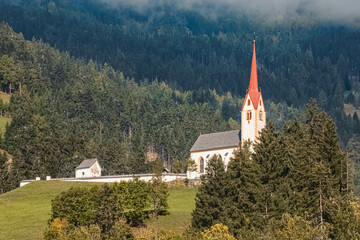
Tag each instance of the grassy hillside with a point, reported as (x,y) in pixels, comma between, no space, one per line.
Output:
(3,121)
(24,211)
(5,97)
(182,203)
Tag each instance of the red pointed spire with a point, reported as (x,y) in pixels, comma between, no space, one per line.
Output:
(253,92)
(253,86)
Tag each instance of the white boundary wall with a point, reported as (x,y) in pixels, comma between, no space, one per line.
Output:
(166,177)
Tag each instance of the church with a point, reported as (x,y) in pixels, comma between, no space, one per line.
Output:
(223,144)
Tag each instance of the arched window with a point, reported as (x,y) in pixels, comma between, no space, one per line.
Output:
(248,102)
(260,102)
(261,117)
(219,157)
(248,115)
(201,165)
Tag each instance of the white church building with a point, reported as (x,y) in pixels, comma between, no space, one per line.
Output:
(223,144)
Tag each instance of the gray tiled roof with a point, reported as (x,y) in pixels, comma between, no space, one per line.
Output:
(86,163)
(216,140)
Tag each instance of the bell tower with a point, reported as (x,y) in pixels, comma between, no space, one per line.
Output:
(253,116)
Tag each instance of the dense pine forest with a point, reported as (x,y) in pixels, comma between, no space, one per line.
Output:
(128,86)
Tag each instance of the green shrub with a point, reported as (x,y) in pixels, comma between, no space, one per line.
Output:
(158,195)
(120,231)
(107,208)
(57,229)
(217,232)
(134,196)
(75,205)
(92,232)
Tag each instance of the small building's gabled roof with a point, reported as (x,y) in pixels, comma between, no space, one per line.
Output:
(86,163)
(216,140)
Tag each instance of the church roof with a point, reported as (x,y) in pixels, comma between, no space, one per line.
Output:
(216,140)
(86,163)
(253,85)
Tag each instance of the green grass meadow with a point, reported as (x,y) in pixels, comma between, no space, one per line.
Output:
(5,97)
(24,212)
(181,204)
(3,121)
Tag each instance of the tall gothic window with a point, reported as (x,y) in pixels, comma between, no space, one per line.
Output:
(248,102)
(261,116)
(248,115)
(201,163)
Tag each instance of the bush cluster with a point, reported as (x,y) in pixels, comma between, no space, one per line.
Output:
(107,210)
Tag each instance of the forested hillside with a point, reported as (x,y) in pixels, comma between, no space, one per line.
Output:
(64,111)
(184,73)
(299,58)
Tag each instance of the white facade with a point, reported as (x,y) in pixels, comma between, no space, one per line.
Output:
(92,171)
(260,117)
(225,153)
(253,120)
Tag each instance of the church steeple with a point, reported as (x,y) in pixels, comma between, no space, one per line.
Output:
(253,116)
(253,86)
(253,91)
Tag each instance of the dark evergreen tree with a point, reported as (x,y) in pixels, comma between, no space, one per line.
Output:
(211,199)
(318,168)
(271,155)
(4,174)
(244,192)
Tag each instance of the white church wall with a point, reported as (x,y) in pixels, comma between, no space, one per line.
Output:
(250,128)
(226,154)
(261,123)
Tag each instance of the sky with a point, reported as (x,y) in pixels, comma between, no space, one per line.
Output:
(335,10)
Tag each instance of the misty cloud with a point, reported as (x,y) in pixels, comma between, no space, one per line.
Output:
(335,10)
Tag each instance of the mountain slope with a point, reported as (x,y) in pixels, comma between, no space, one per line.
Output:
(68,111)
(299,58)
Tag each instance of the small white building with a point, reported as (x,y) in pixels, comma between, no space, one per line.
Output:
(88,168)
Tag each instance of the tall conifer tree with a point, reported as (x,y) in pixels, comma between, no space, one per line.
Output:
(318,168)
(212,196)
(244,191)
(274,164)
